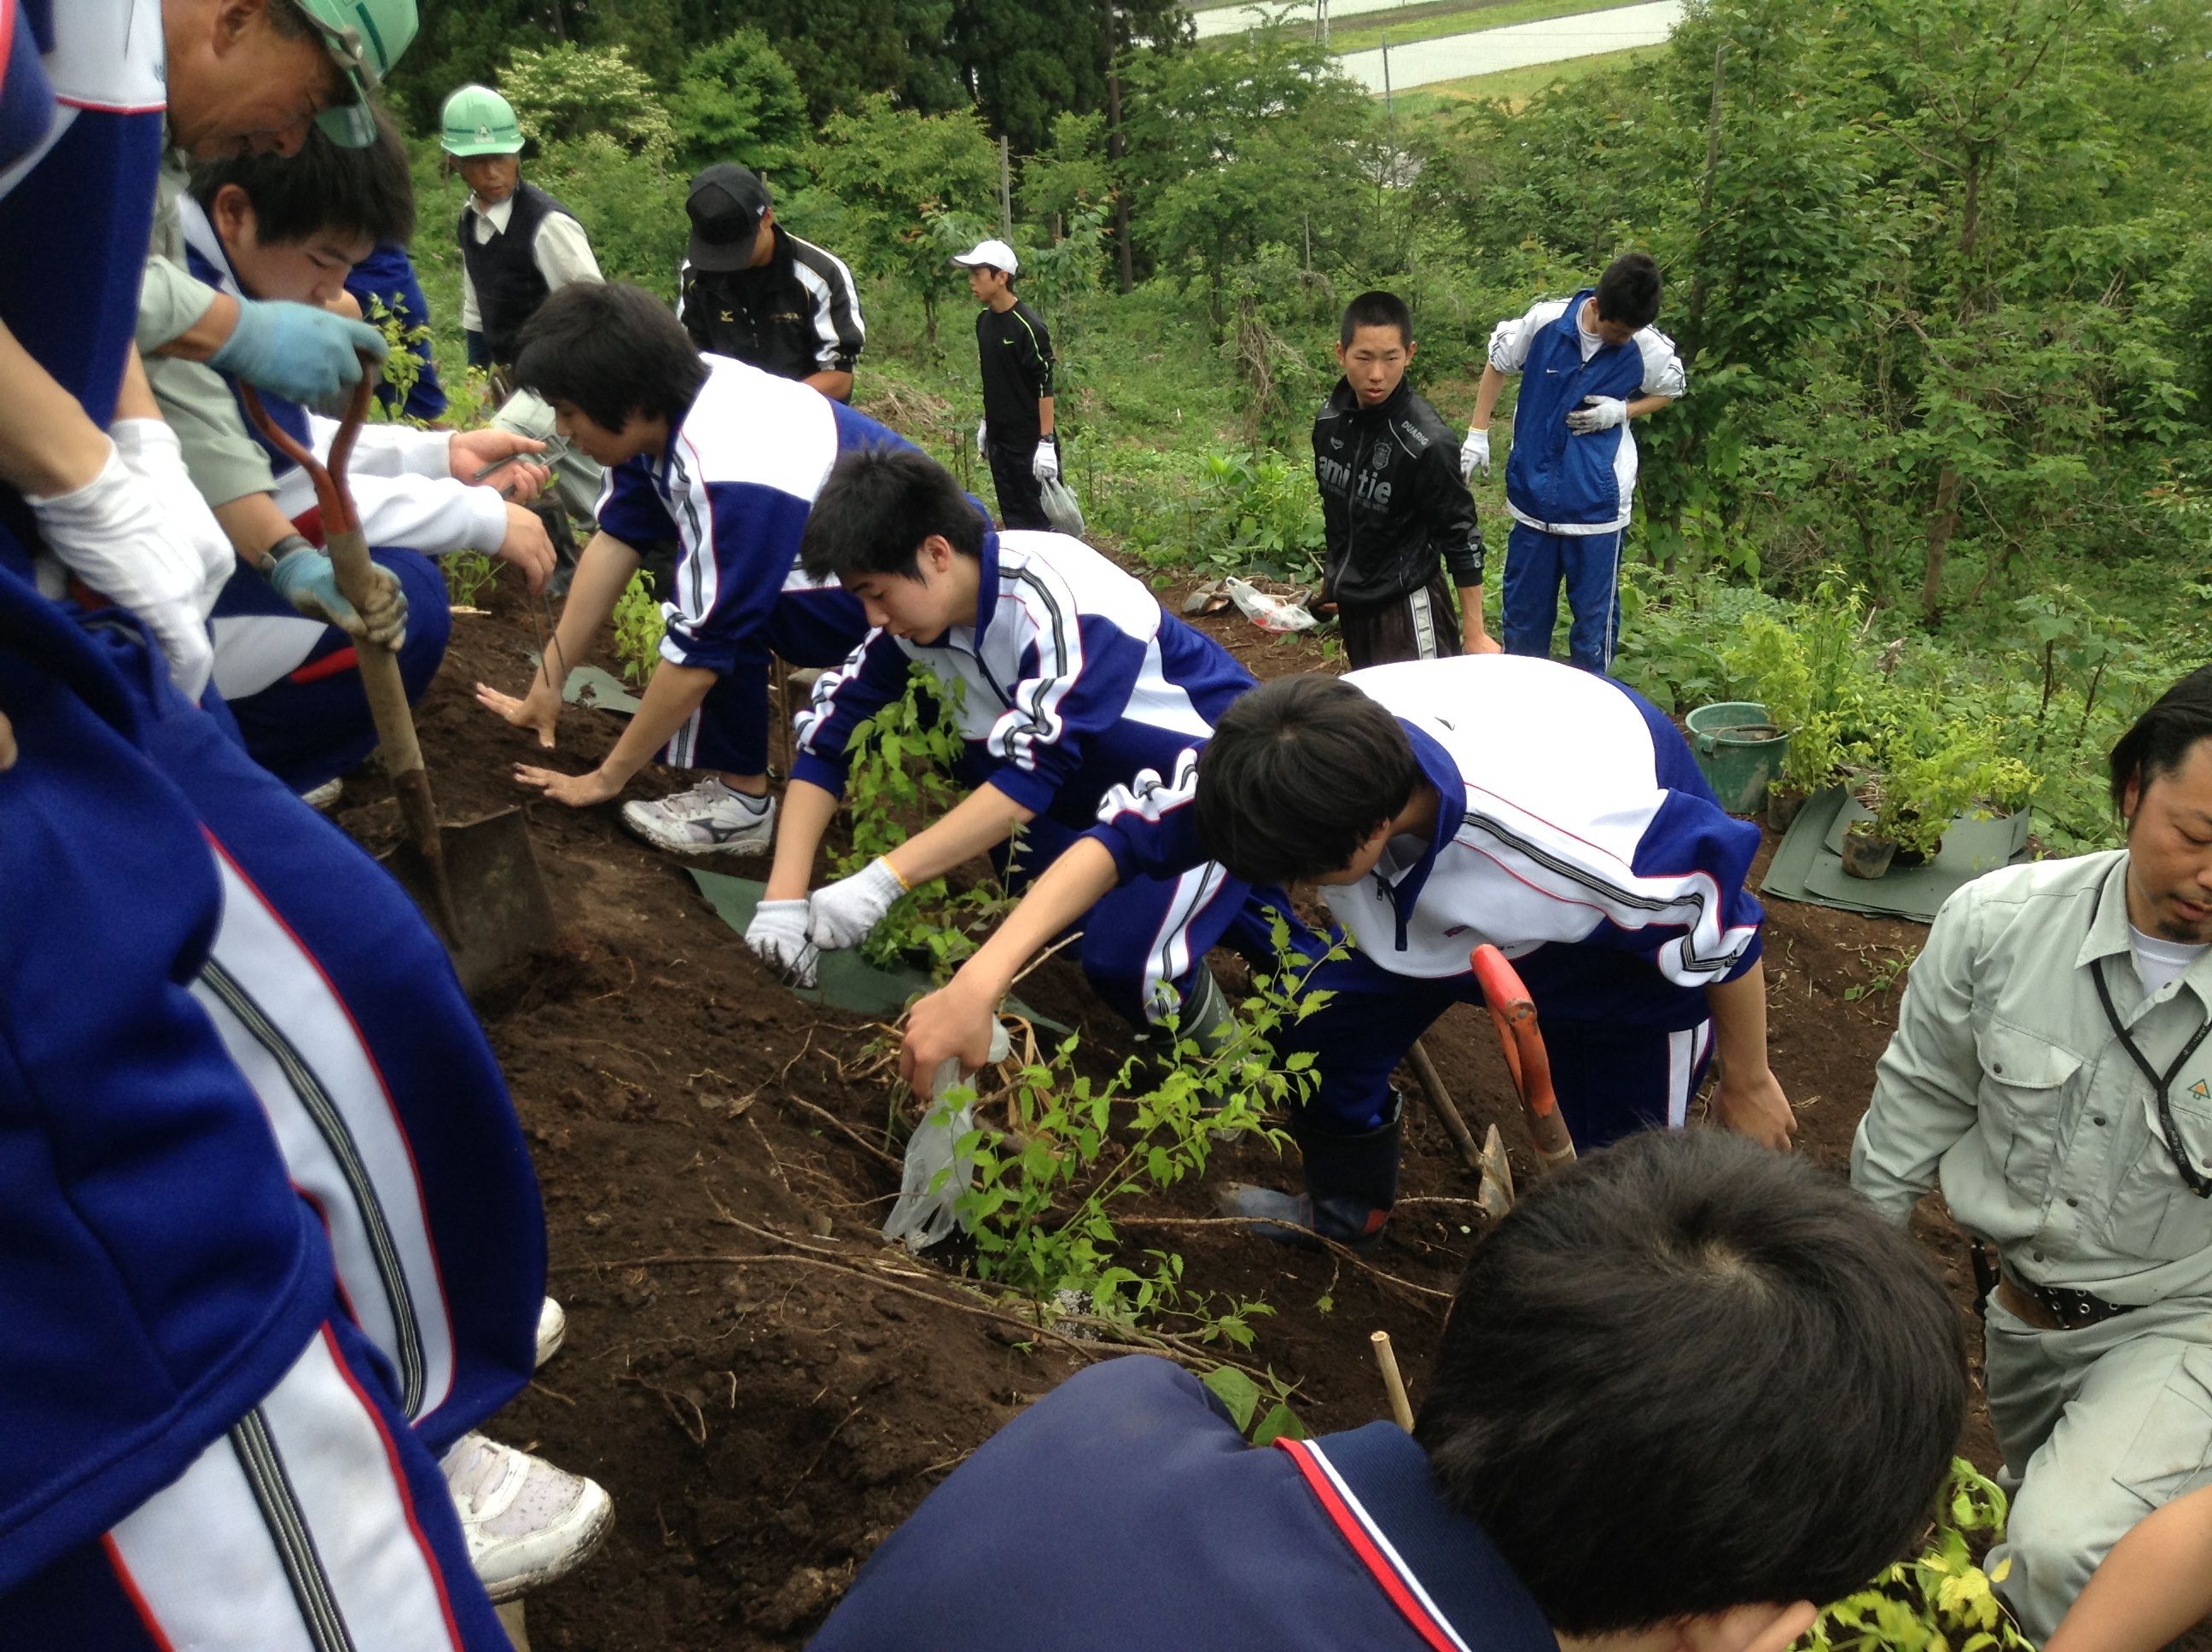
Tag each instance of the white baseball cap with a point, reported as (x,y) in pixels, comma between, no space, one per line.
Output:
(996,253)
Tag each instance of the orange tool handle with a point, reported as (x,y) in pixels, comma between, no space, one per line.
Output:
(1513,1013)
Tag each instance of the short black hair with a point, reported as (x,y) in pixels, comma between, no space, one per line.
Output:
(1628,291)
(877,506)
(610,350)
(1298,774)
(326,188)
(1689,1374)
(2158,741)
(1377,309)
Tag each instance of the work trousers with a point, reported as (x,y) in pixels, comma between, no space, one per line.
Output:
(2099,1427)
(1536,565)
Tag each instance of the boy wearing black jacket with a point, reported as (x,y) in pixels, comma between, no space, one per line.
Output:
(1397,515)
(1015,437)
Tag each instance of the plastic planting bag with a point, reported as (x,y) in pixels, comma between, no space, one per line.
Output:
(1268,613)
(1060,509)
(937,1172)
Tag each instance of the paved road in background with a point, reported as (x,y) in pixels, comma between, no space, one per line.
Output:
(1235,20)
(1517,45)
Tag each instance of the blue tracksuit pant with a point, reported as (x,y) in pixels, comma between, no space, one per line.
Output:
(1536,565)
(1613,1079)
(313,724)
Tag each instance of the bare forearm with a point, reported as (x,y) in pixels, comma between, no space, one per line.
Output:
(1044,415)
(1739,1009)
(979,821)
(254,525)
(603,569)
(1644,405)
(1485,396)
(48,444)
(205,335)
(807,810)
(1470,612)
(837,386)
(672,694)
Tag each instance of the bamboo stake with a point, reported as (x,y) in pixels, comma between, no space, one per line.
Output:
(1402,1408)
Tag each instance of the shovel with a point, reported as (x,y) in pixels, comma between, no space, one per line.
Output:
(1513,1013)
(478,882)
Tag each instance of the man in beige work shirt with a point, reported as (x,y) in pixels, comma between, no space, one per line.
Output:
(2051,1069)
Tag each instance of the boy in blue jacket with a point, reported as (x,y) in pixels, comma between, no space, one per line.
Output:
(1070,680)
(723,460)
(1588,364)
(1685,1391)
(1432,802)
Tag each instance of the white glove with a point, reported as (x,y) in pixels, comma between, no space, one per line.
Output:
(1475,454)
(1597,413)
(777,936)
(983,439)
(1046,466)
(112,535)
(844,913)
(151,449)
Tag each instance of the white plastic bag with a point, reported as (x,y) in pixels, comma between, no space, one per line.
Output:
(1268,613)
(1060,509)
(937,1172)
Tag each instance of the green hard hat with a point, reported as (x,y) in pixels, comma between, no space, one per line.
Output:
(476,120)
(366,37)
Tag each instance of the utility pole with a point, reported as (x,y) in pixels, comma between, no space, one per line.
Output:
(1388,111)
(1006,192)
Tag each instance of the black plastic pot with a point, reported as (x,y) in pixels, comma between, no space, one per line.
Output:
(1866,855)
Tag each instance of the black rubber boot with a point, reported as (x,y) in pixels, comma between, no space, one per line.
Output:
(1351,1181)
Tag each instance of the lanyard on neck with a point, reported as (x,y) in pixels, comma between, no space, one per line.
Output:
(2162,1084)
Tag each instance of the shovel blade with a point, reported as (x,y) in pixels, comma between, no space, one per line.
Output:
(498,900)
(1496,1197)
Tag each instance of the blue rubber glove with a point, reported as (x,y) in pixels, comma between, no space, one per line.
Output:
(295,350)
(304,577)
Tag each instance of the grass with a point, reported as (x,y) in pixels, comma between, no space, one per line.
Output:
(1514,87)
(1365,32)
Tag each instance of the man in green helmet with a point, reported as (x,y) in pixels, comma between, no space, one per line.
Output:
(519,246)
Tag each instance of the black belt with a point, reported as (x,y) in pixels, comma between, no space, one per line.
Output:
(2055,1308)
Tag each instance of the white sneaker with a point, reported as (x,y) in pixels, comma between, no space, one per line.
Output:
(324,796)
(526,1522)
(552,1331)
(708,819)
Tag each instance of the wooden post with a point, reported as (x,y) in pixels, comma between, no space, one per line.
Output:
(1402,1408)
(1389,110)
(1005,191)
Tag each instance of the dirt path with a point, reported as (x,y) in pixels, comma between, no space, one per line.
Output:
(765,1388)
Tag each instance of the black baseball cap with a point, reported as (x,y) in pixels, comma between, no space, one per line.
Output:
(726,203)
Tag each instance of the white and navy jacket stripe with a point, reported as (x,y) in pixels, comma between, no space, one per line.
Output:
(732,490)
(1555,480)
(1575,835)
(1072,680)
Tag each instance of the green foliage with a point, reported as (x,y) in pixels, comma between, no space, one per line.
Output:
(468,574)
(638,625)
(738,101)
(1078,1150)
(1811,670)
(1242,1394)
(1938,1600)
(1259,515)
(899,780)
(409,349)
(565,92)
(1937,764)
(1884,976)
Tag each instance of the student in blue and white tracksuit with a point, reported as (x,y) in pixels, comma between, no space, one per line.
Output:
(1588,365)
(1442,804)
(724,460)
(268,226)
(1066,679)
(1685,1389)
(369,1082)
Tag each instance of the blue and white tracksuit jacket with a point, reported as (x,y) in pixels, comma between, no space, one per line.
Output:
(1131,1470)
(292,681)
(732,490)
(1575,834)
(1570,495)
(1071,681)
